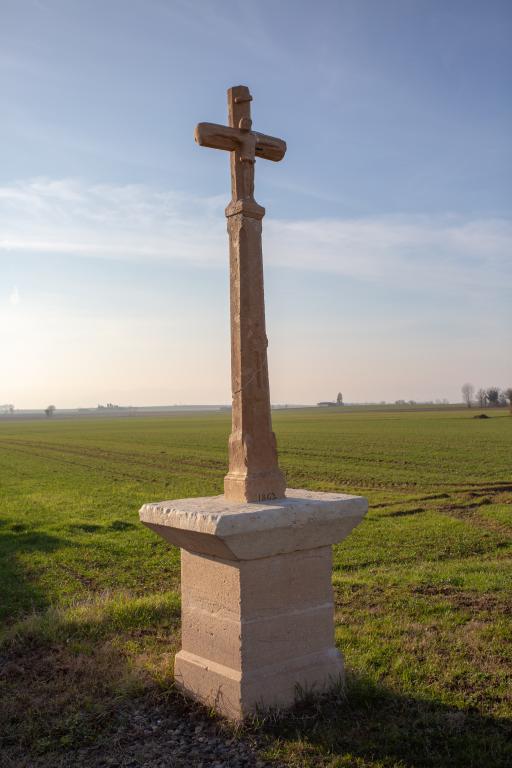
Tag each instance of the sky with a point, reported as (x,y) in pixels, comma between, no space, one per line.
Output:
(388,236)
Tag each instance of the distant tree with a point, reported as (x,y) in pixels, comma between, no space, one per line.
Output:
(481,396)
(493,396)
(50,410)
(468,392)
(339,399)
(508,395)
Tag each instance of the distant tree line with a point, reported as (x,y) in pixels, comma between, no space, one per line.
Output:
(339,401)
(444,401)
(493,397)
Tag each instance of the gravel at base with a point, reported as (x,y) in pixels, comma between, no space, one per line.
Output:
(164,736)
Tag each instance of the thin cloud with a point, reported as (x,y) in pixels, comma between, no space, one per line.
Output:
(14,297)
(140,223)
(434,251)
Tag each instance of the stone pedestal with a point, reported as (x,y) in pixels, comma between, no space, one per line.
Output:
(257,607)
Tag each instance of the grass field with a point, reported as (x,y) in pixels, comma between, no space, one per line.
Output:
(90,598)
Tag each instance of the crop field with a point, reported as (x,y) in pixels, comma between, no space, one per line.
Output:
(90,607)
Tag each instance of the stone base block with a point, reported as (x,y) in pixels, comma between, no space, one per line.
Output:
(236,695)
(257,604)
(255,631)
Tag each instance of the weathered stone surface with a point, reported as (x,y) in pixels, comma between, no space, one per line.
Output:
(214,526)
(254,474)
(279,686)
(257,606)
(245,646)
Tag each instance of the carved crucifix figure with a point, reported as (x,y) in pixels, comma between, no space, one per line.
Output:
(254,473)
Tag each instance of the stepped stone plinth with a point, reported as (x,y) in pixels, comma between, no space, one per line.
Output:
(257,604)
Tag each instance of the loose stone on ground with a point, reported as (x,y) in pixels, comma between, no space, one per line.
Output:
(165,736)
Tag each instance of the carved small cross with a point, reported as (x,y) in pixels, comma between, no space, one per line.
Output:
(254,474)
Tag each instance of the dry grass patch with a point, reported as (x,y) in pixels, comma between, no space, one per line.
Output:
(64,672)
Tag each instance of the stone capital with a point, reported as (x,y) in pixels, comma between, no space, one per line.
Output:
(247,207)
(215,527)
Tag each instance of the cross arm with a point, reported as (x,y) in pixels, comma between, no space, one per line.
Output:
(224,137)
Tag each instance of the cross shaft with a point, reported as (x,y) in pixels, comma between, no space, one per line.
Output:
(254,473)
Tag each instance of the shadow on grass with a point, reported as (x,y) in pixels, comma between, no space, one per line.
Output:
(74,679)
(370,725)
(406,512)
(115,525)
(73,696)
(20,594)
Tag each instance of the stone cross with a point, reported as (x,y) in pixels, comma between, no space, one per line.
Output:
(254,473)
(257,609)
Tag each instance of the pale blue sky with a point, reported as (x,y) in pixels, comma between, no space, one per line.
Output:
(388,234)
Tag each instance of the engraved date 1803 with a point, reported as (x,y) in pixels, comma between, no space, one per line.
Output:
(266,496)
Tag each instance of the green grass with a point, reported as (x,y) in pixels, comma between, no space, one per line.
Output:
(89,598)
